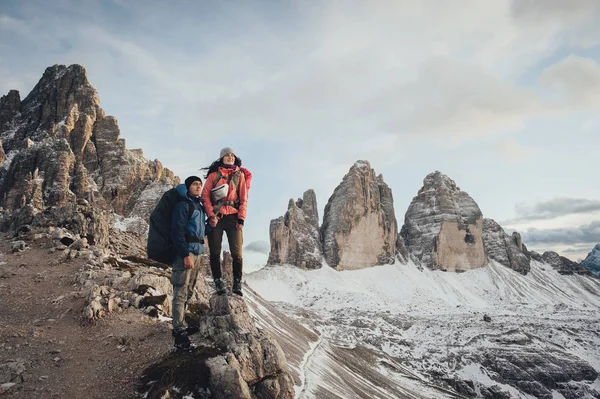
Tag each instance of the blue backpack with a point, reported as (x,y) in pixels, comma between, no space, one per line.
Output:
(160,247)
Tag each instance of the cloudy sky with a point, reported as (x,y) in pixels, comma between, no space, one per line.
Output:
(502,96)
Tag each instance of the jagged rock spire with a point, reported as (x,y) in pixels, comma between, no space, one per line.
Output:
(295,237)
(59,146)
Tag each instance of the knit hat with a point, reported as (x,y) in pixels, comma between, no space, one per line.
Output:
(225,151)
(190,180)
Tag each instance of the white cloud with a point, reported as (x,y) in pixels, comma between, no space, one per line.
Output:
(588,233)
(553,209)
(510,150)
(576,80)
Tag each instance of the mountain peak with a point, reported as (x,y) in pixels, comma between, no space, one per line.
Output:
(361,164)
(437,179)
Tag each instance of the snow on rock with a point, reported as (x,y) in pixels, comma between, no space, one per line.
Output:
(359,225)
(59,147)
(504,249)
(563,265)
(443,226)
(592,261)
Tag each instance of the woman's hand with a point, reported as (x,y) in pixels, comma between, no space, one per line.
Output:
(212,221)
(240,224)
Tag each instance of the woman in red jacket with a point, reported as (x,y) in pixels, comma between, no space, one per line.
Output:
(225,197)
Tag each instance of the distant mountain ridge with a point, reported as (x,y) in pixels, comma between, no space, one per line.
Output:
(444,229)
(592,261)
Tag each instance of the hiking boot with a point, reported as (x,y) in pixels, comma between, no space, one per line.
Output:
(237,286)
(220,286)
(181,340)
(192,330)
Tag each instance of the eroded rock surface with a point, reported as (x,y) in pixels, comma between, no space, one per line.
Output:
(504,249)
(359,225)
(295,236)
(59,148)
(443,226)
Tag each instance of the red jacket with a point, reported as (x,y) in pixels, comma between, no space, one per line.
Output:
(241,193)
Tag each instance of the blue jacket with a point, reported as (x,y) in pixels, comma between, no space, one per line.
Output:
(193,228)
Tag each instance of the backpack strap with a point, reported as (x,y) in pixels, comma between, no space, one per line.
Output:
(235,178)
(191,207)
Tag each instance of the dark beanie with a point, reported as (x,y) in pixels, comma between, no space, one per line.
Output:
(190,180)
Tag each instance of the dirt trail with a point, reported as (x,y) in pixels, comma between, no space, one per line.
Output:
(57,355)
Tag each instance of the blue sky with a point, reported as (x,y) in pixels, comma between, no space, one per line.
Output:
(502,97)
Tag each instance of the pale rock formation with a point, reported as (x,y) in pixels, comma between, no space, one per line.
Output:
(443,227)
(295,236)
(359,226)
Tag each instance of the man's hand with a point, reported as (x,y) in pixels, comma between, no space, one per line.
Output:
(240,224)
(212,221)
(188,263)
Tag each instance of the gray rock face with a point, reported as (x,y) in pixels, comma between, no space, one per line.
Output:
(443,226)
(539,373)
(59,146)
(359,226)
(504,249)
(563,265)
(233,359)
(253,360)
(592,261)
(295,237)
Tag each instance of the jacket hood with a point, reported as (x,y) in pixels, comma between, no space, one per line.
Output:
(182,190)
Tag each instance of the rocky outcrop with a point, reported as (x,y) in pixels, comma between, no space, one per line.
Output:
(60,147)
(295,237)
(443,226)
(563,265)
(234,359)
(592,261)
(539,373)
(359,226)
(504,249)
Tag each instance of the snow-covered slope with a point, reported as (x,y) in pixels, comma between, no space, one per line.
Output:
(410,290)
(487,332)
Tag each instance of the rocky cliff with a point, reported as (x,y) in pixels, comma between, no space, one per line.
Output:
(592,261)
(443,226)
(504,249)
(63,161)
(295,236)
(359,225)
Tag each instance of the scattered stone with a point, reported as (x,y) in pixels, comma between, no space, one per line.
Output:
(18,246)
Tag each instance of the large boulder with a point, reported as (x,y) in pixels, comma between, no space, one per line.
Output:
(59,148)
(592,261)
(504,249)
(359,226)
(295,237)
(443,227)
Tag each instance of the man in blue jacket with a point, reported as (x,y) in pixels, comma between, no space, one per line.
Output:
(187,235)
